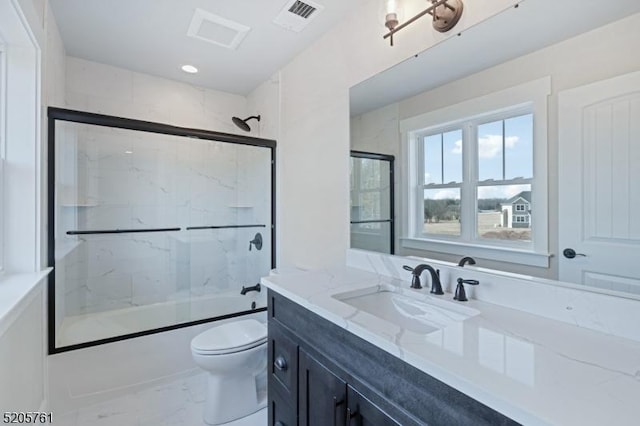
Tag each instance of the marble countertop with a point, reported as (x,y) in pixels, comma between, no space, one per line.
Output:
(532,369)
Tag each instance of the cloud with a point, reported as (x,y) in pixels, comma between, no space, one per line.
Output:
(501,191)
(457,149)
(445,194)
(491,145)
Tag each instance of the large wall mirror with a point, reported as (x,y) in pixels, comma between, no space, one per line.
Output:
(517,143)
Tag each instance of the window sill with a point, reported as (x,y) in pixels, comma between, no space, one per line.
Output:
(500,254)
(16,291)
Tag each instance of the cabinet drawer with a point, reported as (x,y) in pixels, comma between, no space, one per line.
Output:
(283,362)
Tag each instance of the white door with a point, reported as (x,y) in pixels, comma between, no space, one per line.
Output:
(599,173)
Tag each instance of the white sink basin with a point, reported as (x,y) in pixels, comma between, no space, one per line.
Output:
(417,312)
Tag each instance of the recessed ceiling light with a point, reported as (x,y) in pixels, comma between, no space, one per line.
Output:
(190,69)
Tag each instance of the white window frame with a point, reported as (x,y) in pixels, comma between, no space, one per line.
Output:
(22,139)
(420,136)
(519,209)
(529,97)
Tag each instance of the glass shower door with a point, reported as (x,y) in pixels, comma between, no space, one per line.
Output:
(372,202)
(152,231)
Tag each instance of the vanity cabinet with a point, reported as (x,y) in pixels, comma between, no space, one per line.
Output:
(323,395)
(319,374)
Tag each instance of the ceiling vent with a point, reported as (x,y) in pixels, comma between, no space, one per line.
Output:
(296,14)
(216,30)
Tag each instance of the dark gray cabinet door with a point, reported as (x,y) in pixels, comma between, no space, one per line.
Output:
(283,362)
(362,412)
(282,378)
(281,410)
(322,394)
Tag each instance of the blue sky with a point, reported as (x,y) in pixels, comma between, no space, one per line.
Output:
(443,157)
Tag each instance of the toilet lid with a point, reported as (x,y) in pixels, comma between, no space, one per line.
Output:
(231,337)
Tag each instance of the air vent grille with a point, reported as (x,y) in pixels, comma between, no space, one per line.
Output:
(302,9)
(295,15)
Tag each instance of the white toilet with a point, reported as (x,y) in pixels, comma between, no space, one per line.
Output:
(234,354)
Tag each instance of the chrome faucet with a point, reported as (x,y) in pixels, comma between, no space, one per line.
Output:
(436,286)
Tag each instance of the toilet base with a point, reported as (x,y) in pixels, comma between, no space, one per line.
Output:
(231,398)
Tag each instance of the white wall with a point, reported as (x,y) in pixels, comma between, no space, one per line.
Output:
(596,55)
(22,348)
(314,134)
(264,100)
(104,89)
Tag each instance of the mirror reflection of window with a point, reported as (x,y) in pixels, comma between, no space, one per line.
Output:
(442,182)
(495,188)
(505,174)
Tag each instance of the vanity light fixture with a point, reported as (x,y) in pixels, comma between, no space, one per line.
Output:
(189,69)
(445,14)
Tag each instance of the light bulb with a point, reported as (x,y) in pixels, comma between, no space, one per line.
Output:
(391,17)
(392,6)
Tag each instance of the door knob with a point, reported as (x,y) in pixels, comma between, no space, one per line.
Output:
(570,253)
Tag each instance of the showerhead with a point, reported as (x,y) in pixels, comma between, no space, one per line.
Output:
(242,124)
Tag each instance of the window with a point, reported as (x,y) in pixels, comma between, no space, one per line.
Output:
(20,142)
(500,153)
(504,150)
(442,166)
(477,177)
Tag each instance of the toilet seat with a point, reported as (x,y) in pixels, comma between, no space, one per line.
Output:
(228,338)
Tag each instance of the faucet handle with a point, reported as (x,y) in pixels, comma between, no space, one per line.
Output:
(461,294)
(415,280)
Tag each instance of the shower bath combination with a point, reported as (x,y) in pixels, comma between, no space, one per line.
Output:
(242,123)
(169,250)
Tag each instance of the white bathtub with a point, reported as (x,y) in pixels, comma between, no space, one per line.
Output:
(102,325)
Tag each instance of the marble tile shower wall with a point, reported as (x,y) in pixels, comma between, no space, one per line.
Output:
(120,179)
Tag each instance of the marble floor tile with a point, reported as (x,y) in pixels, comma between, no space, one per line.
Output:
(179,403)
